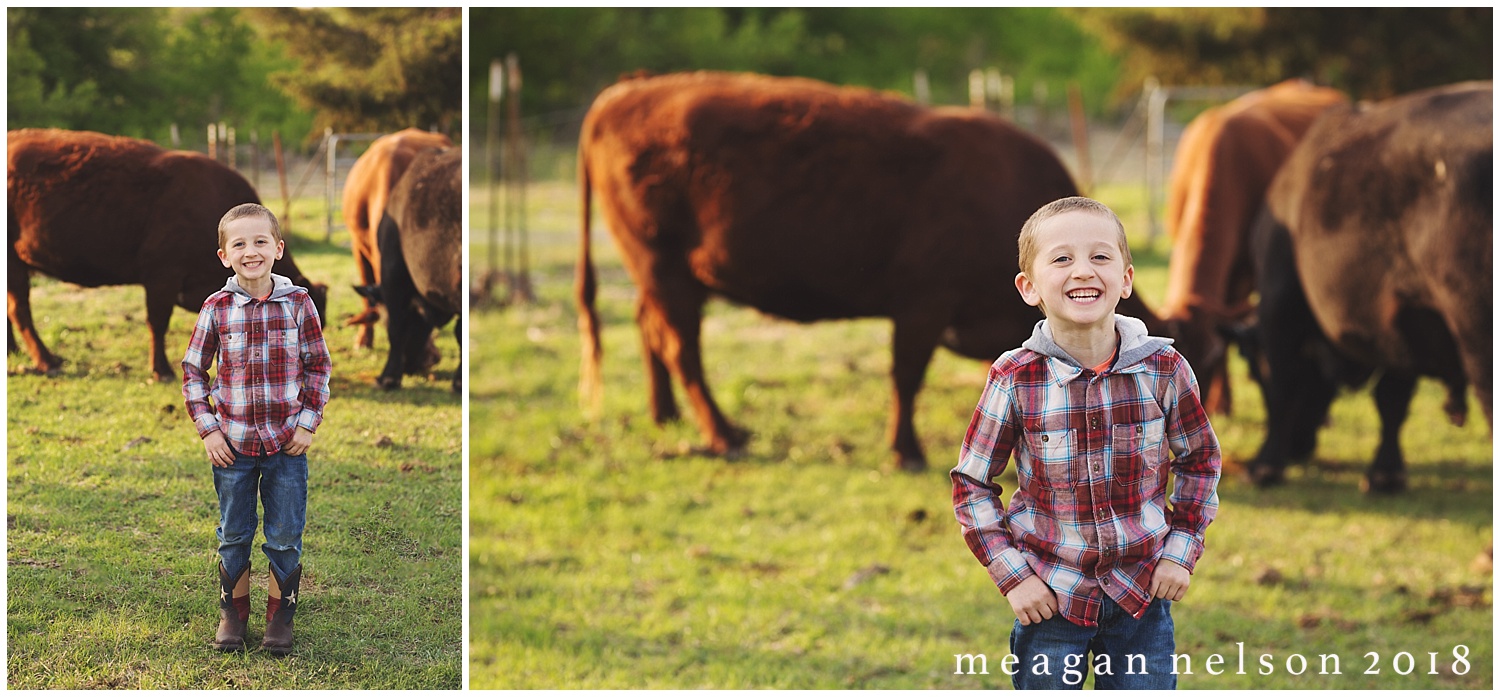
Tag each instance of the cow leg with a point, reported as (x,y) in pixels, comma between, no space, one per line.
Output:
(458,372)
(663,403)
(19,291)
(1456,406)
(365,337)
(1387,474)
(915,338)
(671,316)
(406,328)
(159,303)
(1220,400)
(400,322)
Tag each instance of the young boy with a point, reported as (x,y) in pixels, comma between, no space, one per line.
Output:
(268,400)
(1088,552)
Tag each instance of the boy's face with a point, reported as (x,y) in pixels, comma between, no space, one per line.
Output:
(250,249)
(1079,274)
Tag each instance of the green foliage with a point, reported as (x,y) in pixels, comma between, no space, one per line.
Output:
(372,69)
(1372,53)
(569,54)
(136,72)
(608,553)
(111,513)
(64,64)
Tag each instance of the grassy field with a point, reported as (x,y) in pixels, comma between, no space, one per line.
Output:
(610,554)
(111,512)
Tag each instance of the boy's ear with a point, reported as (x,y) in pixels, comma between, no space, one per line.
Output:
(280,249)
(224,260)
(1129,285)
(1027,290)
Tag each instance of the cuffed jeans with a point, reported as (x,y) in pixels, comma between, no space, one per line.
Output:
(1067,648)
(281,481)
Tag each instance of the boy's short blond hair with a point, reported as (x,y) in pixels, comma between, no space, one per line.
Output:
(1027,242)
(245,210)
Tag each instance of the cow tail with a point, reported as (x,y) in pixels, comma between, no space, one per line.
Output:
(590,382)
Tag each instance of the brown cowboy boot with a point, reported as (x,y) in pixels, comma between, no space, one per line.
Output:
(234,610)
(281,605)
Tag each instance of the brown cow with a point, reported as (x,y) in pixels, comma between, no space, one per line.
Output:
(421,255)
(1225,161)
(366,191)
(99,210)
(809,202)
(1377,253)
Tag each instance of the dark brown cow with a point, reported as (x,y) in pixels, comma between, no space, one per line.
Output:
(99,210)
(1225,161)
(366,191)
(809,202)
(421,256)
(1376,254)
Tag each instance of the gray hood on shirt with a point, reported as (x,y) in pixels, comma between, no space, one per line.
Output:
(1135,343)
(281,286)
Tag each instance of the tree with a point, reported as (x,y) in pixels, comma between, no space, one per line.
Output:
(138,72)
(1369,52)
(568,53)
(372,69)
(81,67)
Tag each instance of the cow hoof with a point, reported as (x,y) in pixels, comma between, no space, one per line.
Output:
(386,383)
(1383,483)
(906,463)
(1264,475)
(164,377)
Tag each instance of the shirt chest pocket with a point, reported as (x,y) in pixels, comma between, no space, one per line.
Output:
(1051,458)
(283,345)
(234,350)
(1139,449)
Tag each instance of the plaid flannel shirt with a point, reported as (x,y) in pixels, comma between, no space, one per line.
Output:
(1090,515)
(273,367)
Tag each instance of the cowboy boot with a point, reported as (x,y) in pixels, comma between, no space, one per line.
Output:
(281,605)
(234,610)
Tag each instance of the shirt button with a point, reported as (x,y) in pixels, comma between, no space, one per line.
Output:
(1103,581)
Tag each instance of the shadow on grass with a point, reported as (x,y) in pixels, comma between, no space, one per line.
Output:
(415,390)
(1458,492)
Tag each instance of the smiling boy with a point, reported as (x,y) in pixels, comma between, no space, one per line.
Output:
(1096,412)
(266,402)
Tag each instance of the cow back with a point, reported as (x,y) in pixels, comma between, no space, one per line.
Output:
(95,209)
(367,188)
(427,206)
(811,201)
(1389,209)
(1224,163)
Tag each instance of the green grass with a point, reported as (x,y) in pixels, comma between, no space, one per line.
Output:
(610,554)
(111,512)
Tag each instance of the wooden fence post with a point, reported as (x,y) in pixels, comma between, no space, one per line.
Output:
(286,197)
(1080,137)
(521,277)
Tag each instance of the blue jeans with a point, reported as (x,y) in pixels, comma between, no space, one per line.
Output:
(1124,639)
(281,481)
